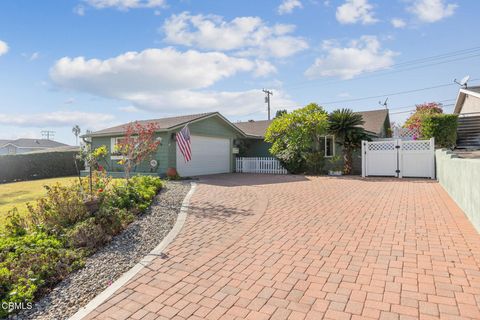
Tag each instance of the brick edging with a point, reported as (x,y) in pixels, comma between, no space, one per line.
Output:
(127,276)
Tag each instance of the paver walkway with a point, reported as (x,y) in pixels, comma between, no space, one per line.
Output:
(278,247)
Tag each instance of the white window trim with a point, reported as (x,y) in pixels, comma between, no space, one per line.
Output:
(333,151)
(113,143)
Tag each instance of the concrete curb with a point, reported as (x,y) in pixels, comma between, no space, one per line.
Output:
(127,276)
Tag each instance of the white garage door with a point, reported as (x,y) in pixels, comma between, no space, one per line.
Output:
(209,156)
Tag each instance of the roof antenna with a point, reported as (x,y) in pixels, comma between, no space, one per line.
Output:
(463,83)
(385,103)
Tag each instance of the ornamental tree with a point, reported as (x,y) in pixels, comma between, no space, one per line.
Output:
(422,111)
(136,145)
(297,135)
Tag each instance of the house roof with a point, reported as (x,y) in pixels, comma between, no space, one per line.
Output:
(254,128)
(163,124)
(374,122)
(462,93)
(32,143)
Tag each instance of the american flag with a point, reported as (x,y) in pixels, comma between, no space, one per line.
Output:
(184,143)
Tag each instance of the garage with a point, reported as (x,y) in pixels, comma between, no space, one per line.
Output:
(209,156)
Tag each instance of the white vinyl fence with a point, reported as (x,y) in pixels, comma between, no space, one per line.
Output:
(259,165)
(399,158)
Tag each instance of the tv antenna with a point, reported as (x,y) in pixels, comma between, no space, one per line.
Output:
(385,103)
(464,82)
(268,93)
(47,134)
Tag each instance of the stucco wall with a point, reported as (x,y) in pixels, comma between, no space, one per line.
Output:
(461,179)
(470,105)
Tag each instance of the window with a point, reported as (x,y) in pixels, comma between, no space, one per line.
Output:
(329,146)
(114,142)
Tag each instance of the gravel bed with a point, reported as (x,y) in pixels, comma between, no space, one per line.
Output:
(111,261)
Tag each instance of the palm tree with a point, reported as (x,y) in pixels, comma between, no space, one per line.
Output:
(76,131)
(346,125)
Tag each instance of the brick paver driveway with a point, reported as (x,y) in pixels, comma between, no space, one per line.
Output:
(278,247)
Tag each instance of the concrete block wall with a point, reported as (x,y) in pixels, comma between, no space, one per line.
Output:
(461,179)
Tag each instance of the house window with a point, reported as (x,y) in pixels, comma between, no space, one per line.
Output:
(329,146)
(114,142)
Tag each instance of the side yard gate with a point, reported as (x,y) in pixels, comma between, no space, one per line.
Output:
(399,158)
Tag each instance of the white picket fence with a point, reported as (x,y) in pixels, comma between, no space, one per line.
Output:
(259,165)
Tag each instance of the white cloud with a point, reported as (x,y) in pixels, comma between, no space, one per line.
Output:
(32,56)
(353,11)
(398,23)
(362,55)
(432,10)
(150,70)
(246,36)
(163,79)
(3,48)
(56,119)
(79,10)
(229,103)
(129,109)
(287,6)
(126,4)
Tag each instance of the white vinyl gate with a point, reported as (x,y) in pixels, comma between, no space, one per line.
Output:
(399,158)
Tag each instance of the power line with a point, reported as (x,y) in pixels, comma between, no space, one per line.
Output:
(391,93)
(412,110)
(386,71)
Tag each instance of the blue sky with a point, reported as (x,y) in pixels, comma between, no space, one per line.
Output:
(98,63)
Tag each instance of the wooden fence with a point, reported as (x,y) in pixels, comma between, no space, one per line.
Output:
(259,165)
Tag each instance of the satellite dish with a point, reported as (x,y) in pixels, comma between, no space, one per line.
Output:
(153,163)
(463,82)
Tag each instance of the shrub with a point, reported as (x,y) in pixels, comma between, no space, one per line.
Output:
(60,232)
(38,166)
(295,134)
(62,207)
(30,262)
(315,162)
(442,127)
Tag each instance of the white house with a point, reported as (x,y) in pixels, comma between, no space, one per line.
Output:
(467,107)
(19,146)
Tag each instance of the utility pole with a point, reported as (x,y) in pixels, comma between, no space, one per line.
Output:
(268,93)
(48,134)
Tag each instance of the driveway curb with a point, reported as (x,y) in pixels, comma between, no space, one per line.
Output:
(127,276)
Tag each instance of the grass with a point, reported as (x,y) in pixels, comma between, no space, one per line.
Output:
(17,194)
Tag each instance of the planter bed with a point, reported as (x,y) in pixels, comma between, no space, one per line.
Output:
(115,258)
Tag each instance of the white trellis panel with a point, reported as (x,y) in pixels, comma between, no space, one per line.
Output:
(259,165)
(399,158)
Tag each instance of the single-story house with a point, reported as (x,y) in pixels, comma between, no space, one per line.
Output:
(215,142)
(20,146)
(467,107)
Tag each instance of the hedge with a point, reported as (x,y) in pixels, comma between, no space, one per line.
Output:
(442,127)
(38,165)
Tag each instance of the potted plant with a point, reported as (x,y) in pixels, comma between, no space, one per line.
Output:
(336,166)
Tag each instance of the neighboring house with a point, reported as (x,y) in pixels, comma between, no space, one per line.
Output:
(215,142)
(467,107)
(20,146)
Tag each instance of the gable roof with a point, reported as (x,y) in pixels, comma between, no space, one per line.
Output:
(462,93)
(374,123)
(163,124)
(374,120)
(32,143)
(254,128)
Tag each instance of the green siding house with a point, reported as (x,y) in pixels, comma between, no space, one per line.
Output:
(215,142)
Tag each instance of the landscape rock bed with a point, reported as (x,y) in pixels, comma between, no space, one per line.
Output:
(111,261)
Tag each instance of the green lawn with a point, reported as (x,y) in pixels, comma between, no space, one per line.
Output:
(17,194)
